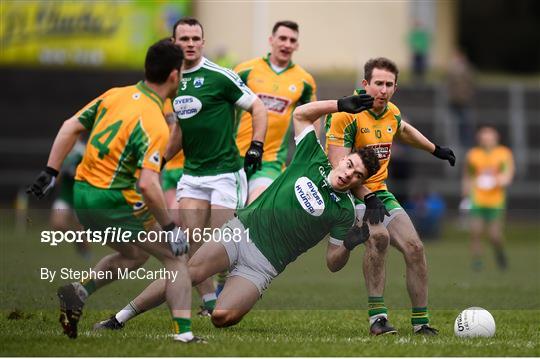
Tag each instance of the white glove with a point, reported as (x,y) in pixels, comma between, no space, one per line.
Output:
(178,241)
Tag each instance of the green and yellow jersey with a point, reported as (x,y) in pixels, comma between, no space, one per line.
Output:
(127,132)
(484,166)
(280,92)
(367,129)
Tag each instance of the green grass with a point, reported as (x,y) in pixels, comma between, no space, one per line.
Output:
(307,311)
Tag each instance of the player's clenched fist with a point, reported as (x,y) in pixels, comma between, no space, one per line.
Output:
(253,157)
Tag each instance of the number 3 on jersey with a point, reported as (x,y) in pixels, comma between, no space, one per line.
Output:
(103,146)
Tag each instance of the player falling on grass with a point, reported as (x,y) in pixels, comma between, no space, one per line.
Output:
(214,183)
(281,85)
(377,128)
(128,136)
(489,169)
(308,201)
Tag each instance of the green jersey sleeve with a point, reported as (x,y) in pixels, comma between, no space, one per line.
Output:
(236,91)
(339,231)
(308,148)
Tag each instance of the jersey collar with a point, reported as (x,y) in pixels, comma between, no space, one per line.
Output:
(196,67)
(378,117)
(147,91)
(267,60)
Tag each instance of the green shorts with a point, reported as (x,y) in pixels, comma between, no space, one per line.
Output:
(390,202)
(488,214)
(170,178)
(64,200)
(99,208)
(66,190)
(267,174)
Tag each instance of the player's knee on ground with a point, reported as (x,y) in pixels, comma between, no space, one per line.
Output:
(222,318)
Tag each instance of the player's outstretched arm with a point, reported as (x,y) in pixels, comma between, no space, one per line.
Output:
(259,118)
(63,144)
(411,136)
(307,114)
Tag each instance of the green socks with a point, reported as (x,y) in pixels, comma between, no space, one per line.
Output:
(419,316)
(376,306)
(181,325)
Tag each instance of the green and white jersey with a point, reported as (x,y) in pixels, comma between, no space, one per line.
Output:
(300,207)
(205,107)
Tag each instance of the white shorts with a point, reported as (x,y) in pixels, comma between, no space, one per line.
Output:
(246,260)
(228,190)
(60,204)
(360,209)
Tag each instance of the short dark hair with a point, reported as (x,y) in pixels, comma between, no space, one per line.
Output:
(379,63)
(290,24)
(191,21)
(161,58)
(370,159)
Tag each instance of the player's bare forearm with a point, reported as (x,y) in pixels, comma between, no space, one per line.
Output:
(150,187)
(336,257)
(259,116)
(64,142)
(411,136)
(175,142)
(307,114)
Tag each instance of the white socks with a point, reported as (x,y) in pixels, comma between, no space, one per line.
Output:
(127,313)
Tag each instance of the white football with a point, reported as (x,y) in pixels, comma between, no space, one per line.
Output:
(474,322)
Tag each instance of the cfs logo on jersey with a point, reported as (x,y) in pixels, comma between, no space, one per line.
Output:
(308,196)
(186,106)
(274,103)
(383,150)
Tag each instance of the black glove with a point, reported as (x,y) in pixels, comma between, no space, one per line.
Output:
(355,103)
(253,157)
(356,235)
(43,183)
(444,153)
(375,209)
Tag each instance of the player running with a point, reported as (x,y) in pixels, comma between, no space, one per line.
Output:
(376,128)
(281,85)
(308,201)
(214,183)
(128,136)
(489,169)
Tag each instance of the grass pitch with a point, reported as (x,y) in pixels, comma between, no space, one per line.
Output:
(307,311)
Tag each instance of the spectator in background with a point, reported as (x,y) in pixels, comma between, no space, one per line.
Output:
(426,209)
(460,93)
(419,42)
(489,169)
